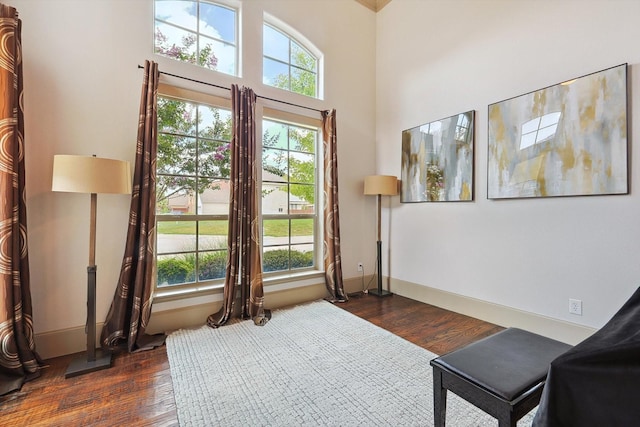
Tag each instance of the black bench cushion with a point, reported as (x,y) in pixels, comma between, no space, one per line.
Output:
(507,363)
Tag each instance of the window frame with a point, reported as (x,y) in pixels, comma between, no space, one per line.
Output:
(300,121)
(275,280)
(186,95)
(198,34)
(293,36)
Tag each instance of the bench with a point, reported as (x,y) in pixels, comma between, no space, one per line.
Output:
(502,374)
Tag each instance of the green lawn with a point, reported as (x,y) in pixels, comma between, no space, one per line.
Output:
(272,227)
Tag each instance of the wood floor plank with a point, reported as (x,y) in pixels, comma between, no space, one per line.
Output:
(137,389)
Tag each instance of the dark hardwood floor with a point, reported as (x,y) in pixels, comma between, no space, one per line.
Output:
(137,390)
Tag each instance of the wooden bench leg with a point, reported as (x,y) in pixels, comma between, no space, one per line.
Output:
(507,422)
(439,399)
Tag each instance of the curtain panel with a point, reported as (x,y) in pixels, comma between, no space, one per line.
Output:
(131,306)
(244,261)
(19,361)
(332,256)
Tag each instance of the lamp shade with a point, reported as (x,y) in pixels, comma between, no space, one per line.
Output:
(84,174)
(386,185)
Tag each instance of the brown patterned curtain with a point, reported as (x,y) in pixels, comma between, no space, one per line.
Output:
(19,361)
(332,257)
(131,307)
(244,258)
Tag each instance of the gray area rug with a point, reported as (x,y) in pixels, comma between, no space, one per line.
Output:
(311,365)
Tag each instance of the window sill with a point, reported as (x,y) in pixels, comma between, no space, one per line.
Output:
(271,284)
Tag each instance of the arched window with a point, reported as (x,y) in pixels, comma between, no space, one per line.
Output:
(287,64)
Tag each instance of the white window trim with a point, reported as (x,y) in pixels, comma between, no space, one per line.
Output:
(276,281)
(297,36)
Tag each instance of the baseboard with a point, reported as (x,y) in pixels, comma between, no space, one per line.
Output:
(74,340)
(560,330)
(65,341)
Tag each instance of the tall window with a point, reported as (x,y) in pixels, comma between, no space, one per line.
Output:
(193,169)
(193,164)
(288,196)
(192,192)
(287,65)
(199,32)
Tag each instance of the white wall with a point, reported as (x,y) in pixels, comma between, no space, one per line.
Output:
(437,58)
(82,91)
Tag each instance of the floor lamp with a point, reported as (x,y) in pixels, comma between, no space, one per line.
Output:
(380,185)
(84,174)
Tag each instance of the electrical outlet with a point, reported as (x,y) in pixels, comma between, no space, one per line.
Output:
(575,306)
(360,267)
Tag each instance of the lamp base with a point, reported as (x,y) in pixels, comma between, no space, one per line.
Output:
(380,293)
(81,365)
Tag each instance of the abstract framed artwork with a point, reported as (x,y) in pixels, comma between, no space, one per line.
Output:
(569,139)
(437,160)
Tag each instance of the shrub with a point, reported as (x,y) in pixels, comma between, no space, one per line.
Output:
(213,265)
(278,260)
(173,270)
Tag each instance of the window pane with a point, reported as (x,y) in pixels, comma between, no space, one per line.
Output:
(274,165)
(275,232)
(301,257)
(275,44)
(178,12)
(302,59)
(176,236)
(176,154)
(302,231)
(175,269)
(274,135)
(274,199)
(212,265)
(214,160)
(302,139)
(301,198)
(302,167)
(218,22)
(217,56)
(303,82)
(175,43)
(212,234)
(215,199)
(214,123)
(177,117)
(275,259)
(275,74)
(169,199)
(284,258)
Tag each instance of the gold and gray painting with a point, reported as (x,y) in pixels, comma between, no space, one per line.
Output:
(437,160)
(565,140)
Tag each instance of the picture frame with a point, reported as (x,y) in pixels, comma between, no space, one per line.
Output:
(569,139)
(438,160)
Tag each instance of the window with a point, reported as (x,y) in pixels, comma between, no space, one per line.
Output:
(287,65)
(288,196)
(192,192)
(199,32)
(193,163)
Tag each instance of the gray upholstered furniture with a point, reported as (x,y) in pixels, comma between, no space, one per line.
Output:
(503,374)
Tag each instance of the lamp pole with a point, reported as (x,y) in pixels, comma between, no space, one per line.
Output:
(379,291)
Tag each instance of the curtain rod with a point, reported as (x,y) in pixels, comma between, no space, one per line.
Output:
(226,88)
